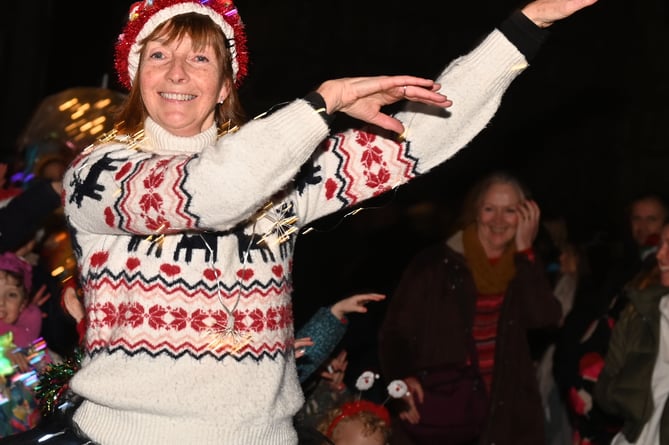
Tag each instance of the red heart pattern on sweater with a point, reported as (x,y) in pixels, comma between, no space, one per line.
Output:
(132,263)
(170,269)
(245,274)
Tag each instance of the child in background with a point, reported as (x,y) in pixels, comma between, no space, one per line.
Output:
(20,324)
(358,422)
(17,315)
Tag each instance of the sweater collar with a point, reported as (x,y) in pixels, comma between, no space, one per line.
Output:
(159,140)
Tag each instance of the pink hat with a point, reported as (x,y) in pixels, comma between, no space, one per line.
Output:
(11,262)
(145,16)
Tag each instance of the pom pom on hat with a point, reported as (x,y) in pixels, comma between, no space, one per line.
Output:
(11,262)
(145,16)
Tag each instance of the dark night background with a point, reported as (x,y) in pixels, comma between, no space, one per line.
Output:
(585,126)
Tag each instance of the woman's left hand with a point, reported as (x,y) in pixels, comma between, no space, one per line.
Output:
(546,12)
(528,224)
(363,97)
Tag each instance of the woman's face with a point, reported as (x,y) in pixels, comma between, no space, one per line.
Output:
(12,298)
(180,87)
(497,218)
(663,255)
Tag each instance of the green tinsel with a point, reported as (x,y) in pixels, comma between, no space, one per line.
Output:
(54,383)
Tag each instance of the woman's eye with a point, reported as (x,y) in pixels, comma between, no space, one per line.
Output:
(201,58)
(157,55)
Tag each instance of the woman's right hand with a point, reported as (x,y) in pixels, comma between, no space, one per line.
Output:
(414,396)
(529,216)
(363,97)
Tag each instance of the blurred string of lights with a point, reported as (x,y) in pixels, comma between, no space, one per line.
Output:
(72,119)
(81,126)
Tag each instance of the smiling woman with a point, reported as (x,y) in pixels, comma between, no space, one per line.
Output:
(479,292)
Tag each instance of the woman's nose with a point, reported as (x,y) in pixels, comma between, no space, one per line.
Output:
(177,72)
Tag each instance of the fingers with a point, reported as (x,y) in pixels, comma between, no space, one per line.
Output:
(360,300)
(528,224)
(529,211)
(300,345)
(417,392)
(340,362)
(41,296)
(19,360)
(411,415)
(303,342)
(355,303)
(335,371)
(363,97)
(546,12)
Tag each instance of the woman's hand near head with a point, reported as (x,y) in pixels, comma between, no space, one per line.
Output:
(546,12)
(528,224)
(363,97)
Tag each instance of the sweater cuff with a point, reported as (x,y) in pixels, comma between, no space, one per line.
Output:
(524,34)
(318,104)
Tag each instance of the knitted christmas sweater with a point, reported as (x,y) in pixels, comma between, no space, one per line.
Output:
(173,235)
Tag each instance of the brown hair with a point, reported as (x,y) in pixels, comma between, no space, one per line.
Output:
(203,32)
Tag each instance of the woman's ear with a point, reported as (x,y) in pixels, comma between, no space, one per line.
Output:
(225,92)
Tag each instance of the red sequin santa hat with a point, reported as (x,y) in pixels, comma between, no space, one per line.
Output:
(145,16)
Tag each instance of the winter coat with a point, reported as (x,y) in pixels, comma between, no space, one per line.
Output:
(624,387)
(429,321)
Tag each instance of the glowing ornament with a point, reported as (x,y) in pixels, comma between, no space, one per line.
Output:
(6,345)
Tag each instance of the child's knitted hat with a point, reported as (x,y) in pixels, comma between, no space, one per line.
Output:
(145,16)
(11,262)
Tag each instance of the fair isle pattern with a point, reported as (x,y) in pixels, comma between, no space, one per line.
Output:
(182,322)
(150,210)
(382,162)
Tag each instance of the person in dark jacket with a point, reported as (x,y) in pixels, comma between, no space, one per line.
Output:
(484,284)
(634,383)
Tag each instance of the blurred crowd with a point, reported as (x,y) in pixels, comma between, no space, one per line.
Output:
(509,293)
